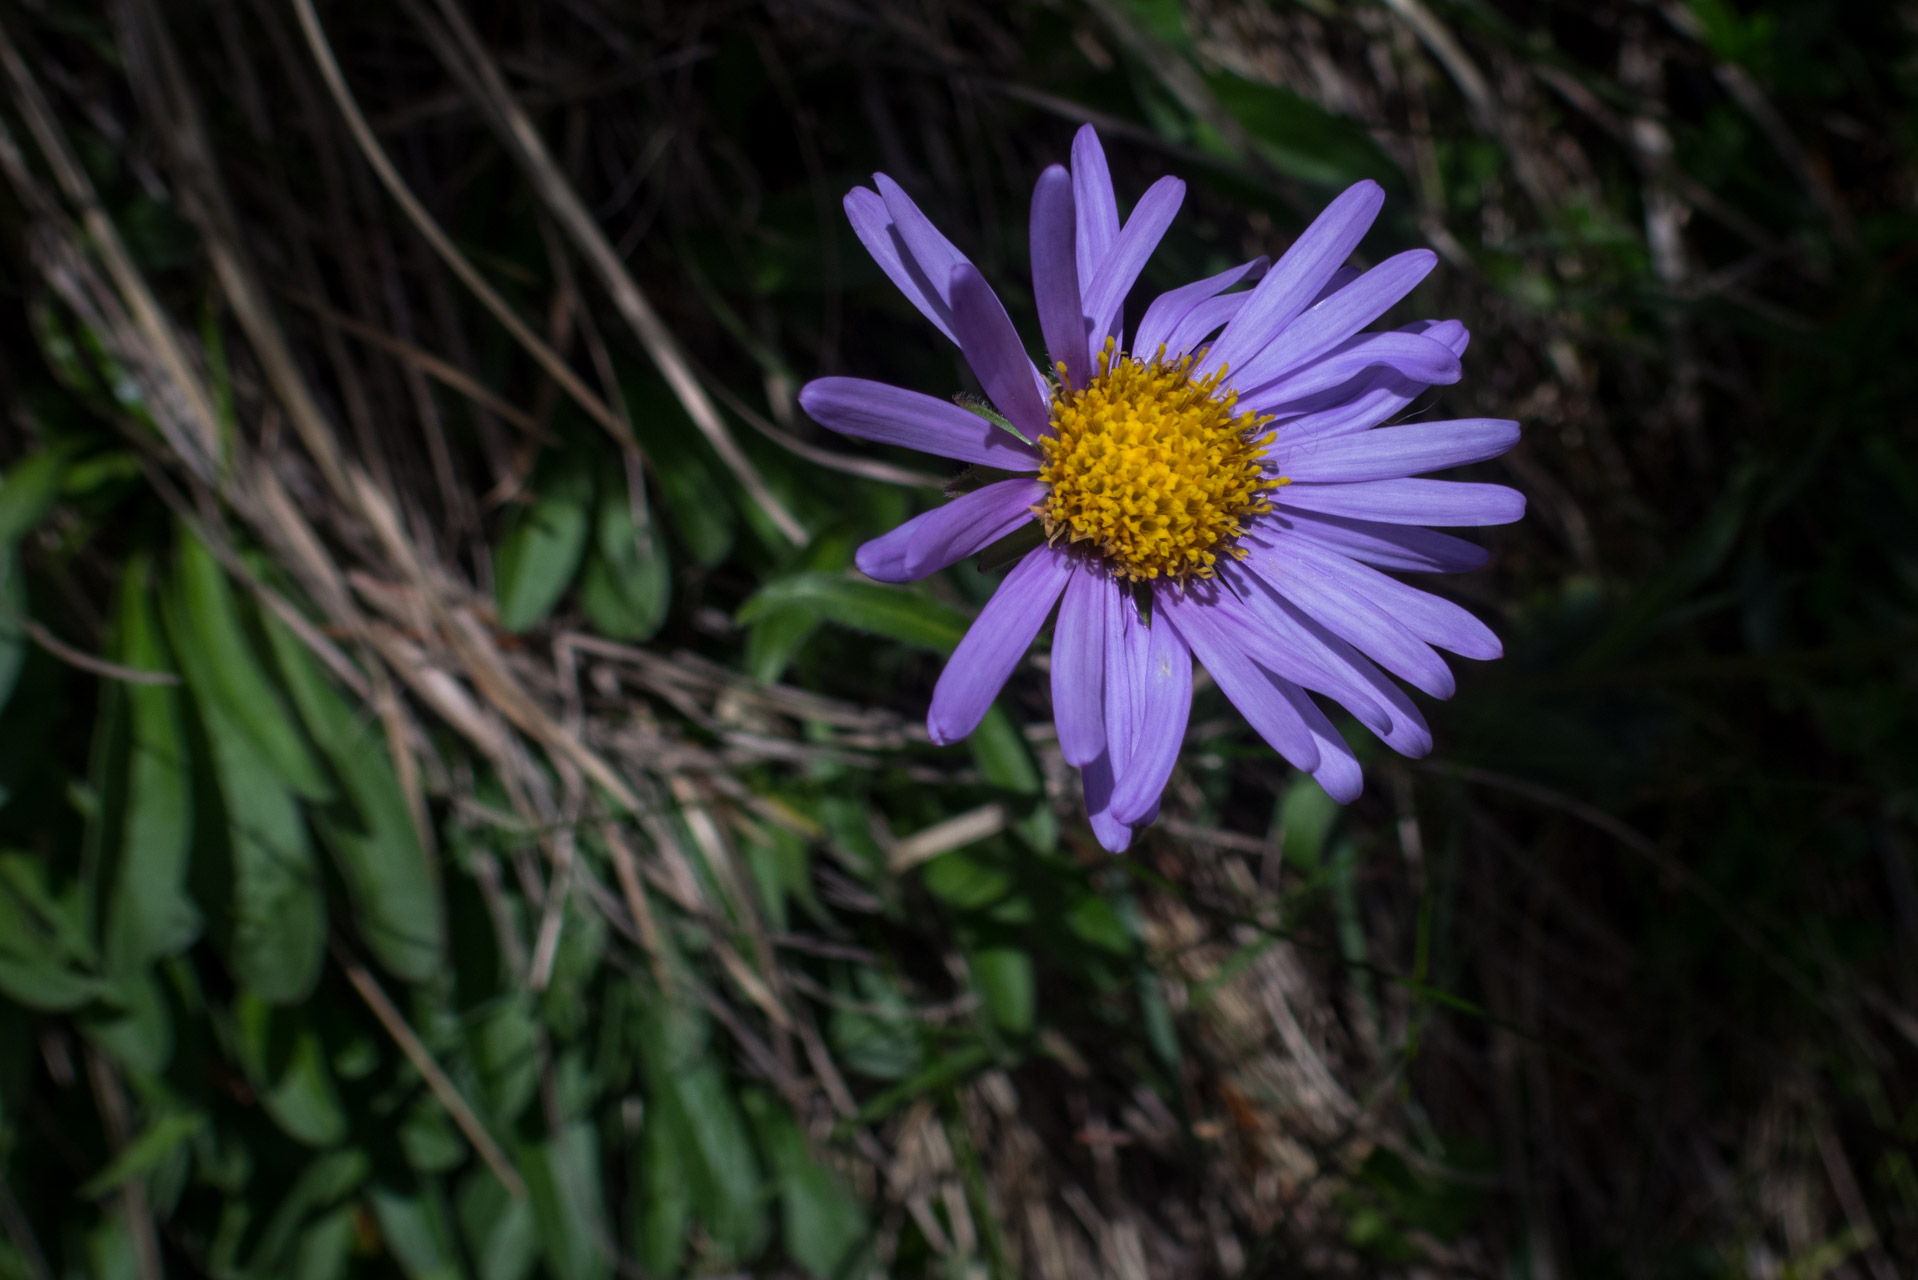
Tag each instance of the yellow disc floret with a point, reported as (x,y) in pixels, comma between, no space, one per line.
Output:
(1153,468)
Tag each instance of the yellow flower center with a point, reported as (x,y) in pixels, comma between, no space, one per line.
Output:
(1152,468)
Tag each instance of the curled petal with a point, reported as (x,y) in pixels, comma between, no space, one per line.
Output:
(948,534)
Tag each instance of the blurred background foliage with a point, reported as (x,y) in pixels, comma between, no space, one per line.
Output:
(461,816)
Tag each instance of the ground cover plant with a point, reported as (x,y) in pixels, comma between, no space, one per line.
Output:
(463,814)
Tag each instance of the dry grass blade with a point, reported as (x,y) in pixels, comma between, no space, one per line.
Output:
(436,1080)
(524,142)
(548,359)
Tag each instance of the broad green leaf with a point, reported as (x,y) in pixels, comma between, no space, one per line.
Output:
(722,1170)
(627,588)
(224,670)
(1306,815)
(1093,921)
(279,903)
(36,922)
(286,1064)
(1001,753)
(862,606)
(413,1224)
(501,1236)
(504,1047)
(149,913)
(541,550)
(428,1137)
(774,639)
(1005,981)
(156,1142)
(821,1224)
(879,1041)
(369,830)
(692,486)
(563,1181)
(964,882)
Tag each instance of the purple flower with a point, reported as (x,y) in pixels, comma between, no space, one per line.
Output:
(1221,487)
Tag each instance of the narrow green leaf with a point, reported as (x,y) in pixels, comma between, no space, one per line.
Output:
(822,1225)
(541,551)
(664,1212)
(862,606)
(279,904)
(286,1064)
(1301,138)
(370,830)
(413,1223)
(13,612)
(322,1184)
(563,1181)
(40,983)
(149,913)
(326,1247)
(28,491)
(501,1236)
(225,672)
(158,1141)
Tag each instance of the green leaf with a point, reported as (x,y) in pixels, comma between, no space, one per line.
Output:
(501,1236)
(1306,815)
(322,1184)
(149,913)
(880,1041)
(370,831)
(773,641)
(159,1140)
(1005,981)
(965,883)
(286,1064)
(326,1247)
(664,1193)
(137,1027)
(1001,753)
(1301,138)
(224,671)
(541,551)
(28,491)
(413,1223)
(822,1225)
(279,904)
(911,619)
(40,983)
(722,1170)
(628,586)
(563,1181)
(504,1046)
(13,611)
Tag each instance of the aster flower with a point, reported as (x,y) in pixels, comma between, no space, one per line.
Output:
(1221,487)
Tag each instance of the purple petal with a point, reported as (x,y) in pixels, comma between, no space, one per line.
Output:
(1326,324)
(1338,772)
(1157,678)
(1390,453)
(995,642)
(1097,780)
(1055,275)
(948,534)
(1412,356)
(1092,199)
(920,242)
(1163,317)
(1251,690)
(1340,278)
(1381,394)
(1287,642)
(1105,292)
(1430,618)
(1078,665)
(1406,548)
(893,415)
(1301,577)
(991,346)
(1442,502)
(1202,321)
(1299,274)
(872,223)
(1408,733)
